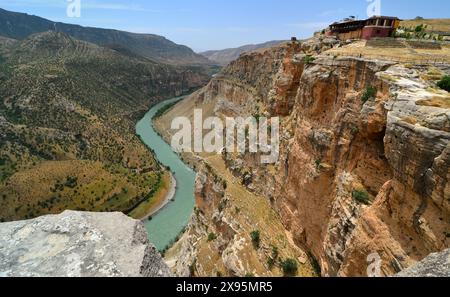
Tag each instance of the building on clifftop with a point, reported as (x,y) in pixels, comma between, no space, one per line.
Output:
(376,26)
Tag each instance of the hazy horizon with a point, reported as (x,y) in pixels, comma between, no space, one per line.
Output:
(212,25)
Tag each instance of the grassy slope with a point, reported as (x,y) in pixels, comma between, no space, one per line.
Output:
(67,112)
(432,24)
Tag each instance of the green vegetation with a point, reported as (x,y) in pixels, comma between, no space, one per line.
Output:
(369,93)
(272,260)
(308,59)
(361,196)
(444,83)
(289,267)
(256,238)
(71,182)
(86,101)
(148,46)
(165,109)
(318,163)
(315,264)
(419,28)
(212,237)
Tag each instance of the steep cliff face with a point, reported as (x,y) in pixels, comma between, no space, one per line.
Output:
(364,156)
(218,241)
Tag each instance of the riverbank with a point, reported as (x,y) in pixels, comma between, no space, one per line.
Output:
(164,197)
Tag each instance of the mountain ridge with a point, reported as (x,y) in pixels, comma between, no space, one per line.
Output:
(225,56)
(21,25)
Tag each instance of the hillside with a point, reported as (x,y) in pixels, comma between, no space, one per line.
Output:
(19,26)
(224,57)
(441,25)
(67,115)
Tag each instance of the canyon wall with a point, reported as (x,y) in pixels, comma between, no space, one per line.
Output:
(364,157)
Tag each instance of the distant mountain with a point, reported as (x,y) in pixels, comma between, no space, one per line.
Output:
(68,110)
(223,57)
(20,25)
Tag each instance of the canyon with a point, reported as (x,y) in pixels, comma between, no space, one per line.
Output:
(363,168)
(359,186)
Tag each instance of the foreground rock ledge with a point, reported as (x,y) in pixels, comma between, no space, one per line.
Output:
(435,265)
(80,244)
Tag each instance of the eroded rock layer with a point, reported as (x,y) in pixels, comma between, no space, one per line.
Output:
(364,158)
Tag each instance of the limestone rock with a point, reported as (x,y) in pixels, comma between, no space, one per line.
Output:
(78,244)
(435,265)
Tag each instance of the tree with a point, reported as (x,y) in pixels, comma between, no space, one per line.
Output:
(308,59)
(369,93)
(361,196)
(211,237)
(289,267)
(444,83)
(256,240)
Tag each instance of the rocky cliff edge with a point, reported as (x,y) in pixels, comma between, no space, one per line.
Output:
(78,244)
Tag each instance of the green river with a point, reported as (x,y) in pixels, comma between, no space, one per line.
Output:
(170,221)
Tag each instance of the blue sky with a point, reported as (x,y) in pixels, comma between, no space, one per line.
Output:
(218,24)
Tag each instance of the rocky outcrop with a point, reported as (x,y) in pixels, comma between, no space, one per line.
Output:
(364,156)
(78,244)
(435,265)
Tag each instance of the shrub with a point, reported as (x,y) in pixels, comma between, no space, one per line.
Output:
(361,196)
(444,83)
(71,182)
(318,163)
(211,237)
(289,267)
(419,29)
(270,262)
(315,264)
(308,59)
(275,252)
(256,240)
(369,93)
(273,258)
